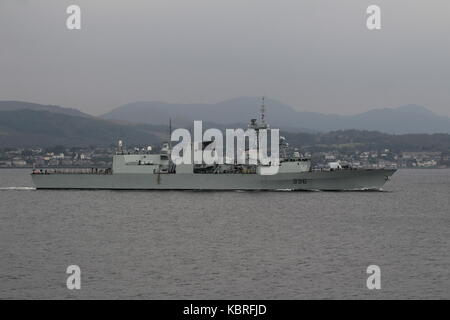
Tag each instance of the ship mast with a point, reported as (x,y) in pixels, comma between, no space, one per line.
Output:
(258,125)
(170,134)
(171,168)
(263,112)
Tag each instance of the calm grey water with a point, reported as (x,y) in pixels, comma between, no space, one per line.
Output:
(227,245)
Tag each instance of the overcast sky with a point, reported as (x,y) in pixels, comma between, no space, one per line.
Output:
(315,55)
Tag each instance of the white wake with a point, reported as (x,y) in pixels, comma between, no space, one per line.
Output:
(18,188)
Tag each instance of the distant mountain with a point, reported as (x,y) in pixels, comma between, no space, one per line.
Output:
(28,128)
(405,119)
(233,111)
(39,128)
(21,105)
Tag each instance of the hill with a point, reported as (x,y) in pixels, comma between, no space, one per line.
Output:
(27,128)
(21,105)
(21,127)
(404,119)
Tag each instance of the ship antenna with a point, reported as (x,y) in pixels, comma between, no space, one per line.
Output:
(170,134)
(263,111)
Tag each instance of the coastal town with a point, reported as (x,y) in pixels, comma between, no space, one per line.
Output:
(101,157)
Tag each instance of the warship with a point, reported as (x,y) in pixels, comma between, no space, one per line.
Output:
(141,169)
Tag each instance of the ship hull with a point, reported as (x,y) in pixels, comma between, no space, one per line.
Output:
(316,180)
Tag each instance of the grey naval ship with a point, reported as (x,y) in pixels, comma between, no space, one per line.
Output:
(143,170)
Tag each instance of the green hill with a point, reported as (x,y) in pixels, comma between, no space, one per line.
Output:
(27,128)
